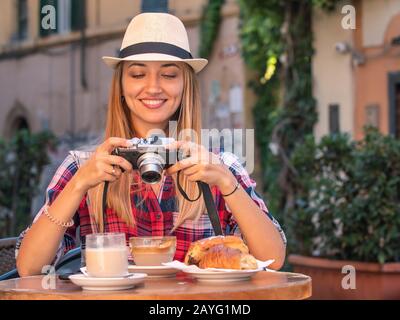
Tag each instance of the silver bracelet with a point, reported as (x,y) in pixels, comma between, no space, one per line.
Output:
(56,221)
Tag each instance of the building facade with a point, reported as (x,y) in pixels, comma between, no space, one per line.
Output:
(356,71)
(56,80)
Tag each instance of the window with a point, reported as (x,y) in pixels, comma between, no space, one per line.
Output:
(394,104)
(154,5)
(334,126)
(64,16)
(397,108)
(70,16)
(372,115)
(22,19)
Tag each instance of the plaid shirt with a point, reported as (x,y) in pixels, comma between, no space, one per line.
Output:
(154,216)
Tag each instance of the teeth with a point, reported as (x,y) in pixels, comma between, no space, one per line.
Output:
(153,102)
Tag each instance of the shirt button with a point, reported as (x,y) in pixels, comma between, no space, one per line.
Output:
(158,216)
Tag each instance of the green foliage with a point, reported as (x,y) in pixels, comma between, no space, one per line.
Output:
(209,27)
(348,199)
(261,41)
(328,5)
(21,163)
(285,111)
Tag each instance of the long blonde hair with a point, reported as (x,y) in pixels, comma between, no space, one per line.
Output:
(119,124)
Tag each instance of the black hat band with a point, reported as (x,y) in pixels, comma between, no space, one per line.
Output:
(155,47)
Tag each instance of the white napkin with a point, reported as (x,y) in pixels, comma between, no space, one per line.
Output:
(262,265)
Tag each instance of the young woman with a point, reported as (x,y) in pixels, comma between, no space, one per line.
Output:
(154,82)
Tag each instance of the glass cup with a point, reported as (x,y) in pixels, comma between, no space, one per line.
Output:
(106,255)
(152,251)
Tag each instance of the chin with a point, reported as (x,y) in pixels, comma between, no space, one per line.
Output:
(155,120)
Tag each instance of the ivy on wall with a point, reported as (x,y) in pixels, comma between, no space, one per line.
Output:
(209,27)
(276,38)
(22,160)
(276,41)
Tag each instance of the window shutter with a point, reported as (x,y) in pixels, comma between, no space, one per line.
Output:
(22,19)
(78,14)
(334,124)
(154,5)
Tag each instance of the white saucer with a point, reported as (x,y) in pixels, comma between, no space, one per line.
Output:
(154,271)
(92,283)
(218,276)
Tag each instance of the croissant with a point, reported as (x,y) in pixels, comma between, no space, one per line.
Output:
(224,257)
(228,252)
(198,248)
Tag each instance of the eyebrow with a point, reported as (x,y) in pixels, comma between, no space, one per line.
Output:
(169,65)
(162,66)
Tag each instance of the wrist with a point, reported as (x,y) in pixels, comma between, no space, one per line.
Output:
(77,185)
(228,183)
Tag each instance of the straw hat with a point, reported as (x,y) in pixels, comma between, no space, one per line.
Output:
(156,37)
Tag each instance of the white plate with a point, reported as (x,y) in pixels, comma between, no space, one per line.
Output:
(154,271)
(218,276)
(92,283)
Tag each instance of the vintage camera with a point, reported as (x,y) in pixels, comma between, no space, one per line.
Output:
(150,156)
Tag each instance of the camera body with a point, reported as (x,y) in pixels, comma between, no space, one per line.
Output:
(149,156)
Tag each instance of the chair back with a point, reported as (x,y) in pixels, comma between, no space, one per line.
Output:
(7,254)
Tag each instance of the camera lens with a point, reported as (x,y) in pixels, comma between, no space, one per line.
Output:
(150,166)
(151,177)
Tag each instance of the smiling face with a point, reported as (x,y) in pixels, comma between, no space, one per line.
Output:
(153,92)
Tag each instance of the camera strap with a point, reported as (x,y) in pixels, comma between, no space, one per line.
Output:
(204,189)
(211,208)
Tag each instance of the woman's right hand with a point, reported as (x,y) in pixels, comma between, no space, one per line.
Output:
(102,166)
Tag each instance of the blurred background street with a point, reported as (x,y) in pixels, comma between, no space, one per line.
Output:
(308,75)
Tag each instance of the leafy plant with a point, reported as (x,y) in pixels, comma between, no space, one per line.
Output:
(348,200)
(209,27)
(277,43)
(22,160)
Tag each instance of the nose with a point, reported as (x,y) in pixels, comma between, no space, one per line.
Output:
(153,84)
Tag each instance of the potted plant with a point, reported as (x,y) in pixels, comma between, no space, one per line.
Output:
(344,230)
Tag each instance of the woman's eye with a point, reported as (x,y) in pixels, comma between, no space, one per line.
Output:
(137,76)
(169,76)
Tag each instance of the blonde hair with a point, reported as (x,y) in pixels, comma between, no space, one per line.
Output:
(119,124)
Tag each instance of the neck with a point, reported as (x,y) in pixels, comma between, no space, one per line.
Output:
(143,130)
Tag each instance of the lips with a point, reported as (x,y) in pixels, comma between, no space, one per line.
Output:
(153,103)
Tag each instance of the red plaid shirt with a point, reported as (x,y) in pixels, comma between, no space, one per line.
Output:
(154,216)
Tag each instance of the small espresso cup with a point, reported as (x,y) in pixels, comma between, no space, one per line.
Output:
(106,255)
(152,251)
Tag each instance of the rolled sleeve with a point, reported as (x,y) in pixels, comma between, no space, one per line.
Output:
(62,176)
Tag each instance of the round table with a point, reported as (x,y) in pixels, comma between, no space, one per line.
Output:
(263,285)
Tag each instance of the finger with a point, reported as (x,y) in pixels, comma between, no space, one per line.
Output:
(180,165)
(114,170)
(109,177)
(111,143)
(187,147)
(174,145)
(118,161)
(198,176)
(117,171)
(192,170)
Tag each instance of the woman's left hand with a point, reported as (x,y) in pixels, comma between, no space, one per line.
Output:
(202,165)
